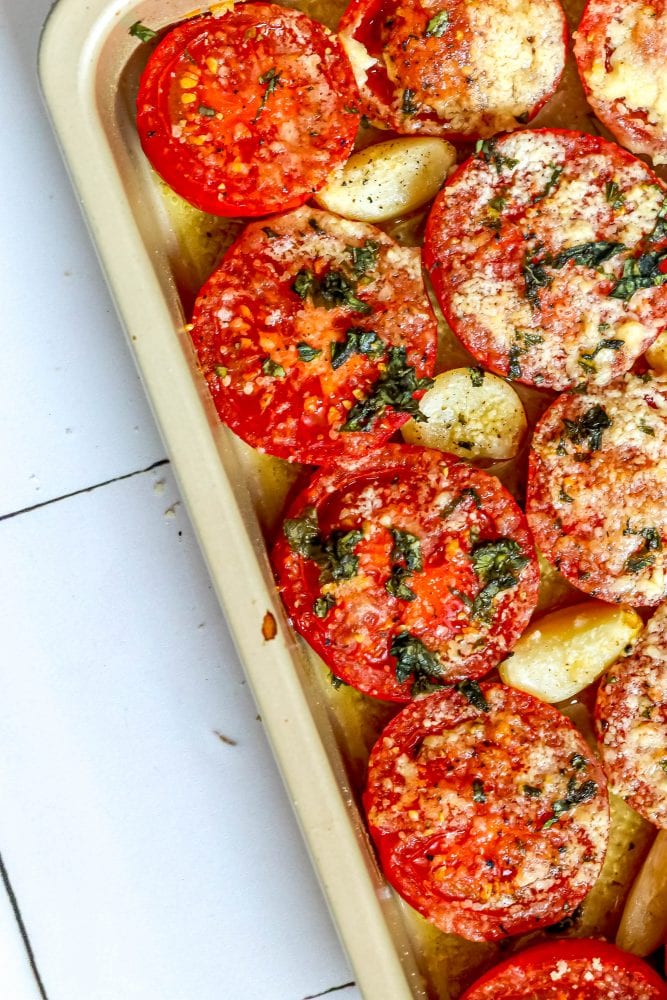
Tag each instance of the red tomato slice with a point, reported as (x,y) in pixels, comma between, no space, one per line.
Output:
(454,67)
(316,336)
(597,482)
(545,250)
(631,723)
(621,51)
(570,970)
(404,567)
(488,810)
(247,112)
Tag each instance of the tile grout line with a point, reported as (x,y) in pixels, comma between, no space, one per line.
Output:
(22,929)
(332,989)
(84,489)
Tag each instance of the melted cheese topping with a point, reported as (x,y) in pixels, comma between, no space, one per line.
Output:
(467,797)
(631,716)
(504,219)
(488,66)
(627,74)
(598,508)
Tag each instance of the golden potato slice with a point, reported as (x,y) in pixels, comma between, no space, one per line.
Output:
(657,354)
(644,921)
(470,413)
(566,650)
(388,179)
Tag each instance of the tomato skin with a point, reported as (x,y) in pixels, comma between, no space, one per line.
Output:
(249,317)
(537,973)
(454,68)
(406,488)
(461,798)
(634,127)
(496,247)
(261,131)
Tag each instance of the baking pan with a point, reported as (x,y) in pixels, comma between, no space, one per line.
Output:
(89,69)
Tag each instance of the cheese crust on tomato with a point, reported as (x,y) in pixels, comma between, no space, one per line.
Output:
(631,723)
(447,67)
(621,52)
(547,252)
(597,489)
(316,336)
(489,812)
(406,567)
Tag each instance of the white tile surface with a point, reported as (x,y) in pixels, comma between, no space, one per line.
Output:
(150,858)
(75,413)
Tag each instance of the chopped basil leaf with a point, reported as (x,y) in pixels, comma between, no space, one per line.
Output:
(438,25)
(338,682)
(140,31)
(408,548)
(587,254)
(646,428)
(497,566)
(659,232)
(565,497)
(364,258)
(469,493)
(574,796)
(408,106)
(514,366)
(323,605)
(206,111)
(473,694)
(641,272)
(532,791)
(308,353)
(476,376)
(304,283)
(613,194)
(271,367)
(221,371)
(314,224)
(645,557)
(395,388)
(588,428)
(335,555)
(578,761)
(478,794)
(553,180)
(357,341)
(486,149)
(535,277)
(271,79)
(413,658)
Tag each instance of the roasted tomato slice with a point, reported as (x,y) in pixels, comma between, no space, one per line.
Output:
(621,52)
(316,336)
(597,482)
(631,723)
(570,970)
(247,112)
(406,567)
(454,67)
(488,810)
(547,252)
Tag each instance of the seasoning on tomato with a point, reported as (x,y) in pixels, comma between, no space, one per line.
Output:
(488,810)
(570,970)
(456,68)
(247,112)
(631,723)
(316,336)
(597,482)
(406,567)
(548,254)
(621,52)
